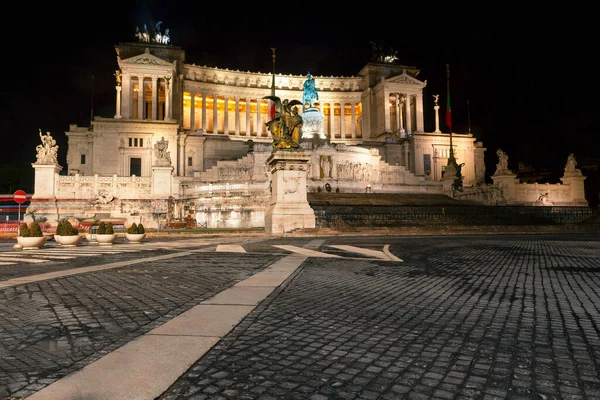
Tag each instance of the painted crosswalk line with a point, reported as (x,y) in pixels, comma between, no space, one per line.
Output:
(306,252)
(384,255)
(230,248)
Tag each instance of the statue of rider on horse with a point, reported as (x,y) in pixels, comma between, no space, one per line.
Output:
(310,91)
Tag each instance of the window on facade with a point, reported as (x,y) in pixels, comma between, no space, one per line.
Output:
(82,159)
(135,166)
(443,170)
(136,142)
(189,161)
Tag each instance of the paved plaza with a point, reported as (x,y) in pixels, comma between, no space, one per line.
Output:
(487,316)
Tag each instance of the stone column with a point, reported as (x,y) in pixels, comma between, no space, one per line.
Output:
(204,112)
(419,109)
(398,112)
(237,116)
(331,118)
(140,104)
(126,96)
(386,112)
(181,161)
(289,208)
(154,97)
(118,110)
(409,126)
(168,103)
(343,120)
(248,127)
(226,115)
(215,115)
(192,112)
(168,98)
(401,119)
(437,118)
(353,119)
(258,119)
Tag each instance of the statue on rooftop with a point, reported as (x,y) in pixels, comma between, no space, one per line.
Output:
(155,37)
(571,163)
(502,165)
(47,151)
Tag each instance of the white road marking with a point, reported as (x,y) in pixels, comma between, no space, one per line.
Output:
(230,248)
(306,252)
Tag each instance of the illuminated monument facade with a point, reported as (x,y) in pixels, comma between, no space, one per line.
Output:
(193,141)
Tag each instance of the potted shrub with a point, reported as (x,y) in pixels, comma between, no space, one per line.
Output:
(66,234)
(105,234)
(31,237)
(135,233)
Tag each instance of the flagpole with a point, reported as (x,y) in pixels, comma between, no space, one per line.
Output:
(273,79)
(469,116)
(271,103)
(448,114)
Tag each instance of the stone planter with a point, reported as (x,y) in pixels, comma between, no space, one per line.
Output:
(105,239)
(31,242)
(135,237)
(68,240)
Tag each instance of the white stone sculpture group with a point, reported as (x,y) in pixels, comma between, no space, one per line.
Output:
(47,151)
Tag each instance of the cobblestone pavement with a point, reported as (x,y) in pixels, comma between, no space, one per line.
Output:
(461,317)
(51,328)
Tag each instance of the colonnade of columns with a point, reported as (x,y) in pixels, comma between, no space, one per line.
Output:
(127,106)
(400,115)
(251,114)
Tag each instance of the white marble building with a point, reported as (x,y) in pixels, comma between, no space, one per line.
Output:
(212,121)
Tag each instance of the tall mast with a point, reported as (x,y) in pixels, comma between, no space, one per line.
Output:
(448,114)
(469,116)
(273,79)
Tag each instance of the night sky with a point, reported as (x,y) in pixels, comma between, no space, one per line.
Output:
(524,83)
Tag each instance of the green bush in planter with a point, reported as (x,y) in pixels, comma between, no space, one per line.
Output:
(24,230)
(35,230)
(109,229)
(60,228)
(101,229)
(133,229)
(68,229)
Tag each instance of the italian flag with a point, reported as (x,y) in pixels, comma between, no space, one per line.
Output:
(448,108)
(271,105)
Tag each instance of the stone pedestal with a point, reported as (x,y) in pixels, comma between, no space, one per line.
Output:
(288,209)
(507,182)
(574,179)
(162,181)
(312,126)
(45,181)
(43,199)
